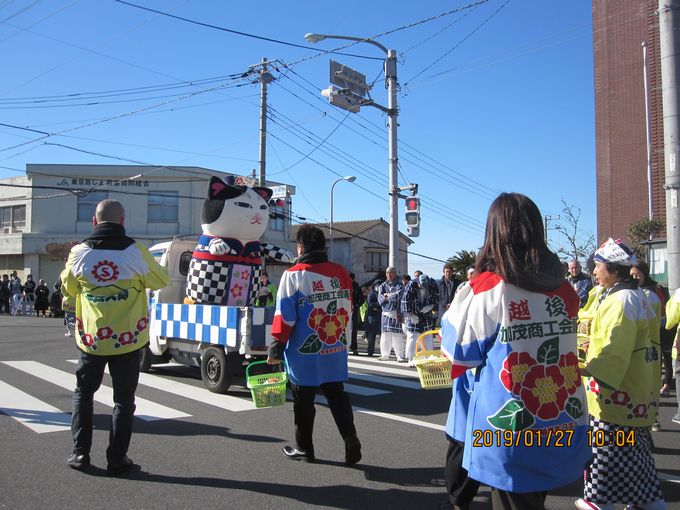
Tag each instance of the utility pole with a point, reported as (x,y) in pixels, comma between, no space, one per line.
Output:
(669,25)
(546,219)
(264,79)
(391,78)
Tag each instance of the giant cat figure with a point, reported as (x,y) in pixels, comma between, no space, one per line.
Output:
(227,262)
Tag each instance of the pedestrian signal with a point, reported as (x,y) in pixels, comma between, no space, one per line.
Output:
(413,216)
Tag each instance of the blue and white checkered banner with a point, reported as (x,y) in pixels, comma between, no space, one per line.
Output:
(202,323)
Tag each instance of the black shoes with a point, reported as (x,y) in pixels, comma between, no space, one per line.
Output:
(293,453)
(121,467)
(352,450)
(78,461)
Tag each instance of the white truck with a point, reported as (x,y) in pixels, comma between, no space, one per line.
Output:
(218,339)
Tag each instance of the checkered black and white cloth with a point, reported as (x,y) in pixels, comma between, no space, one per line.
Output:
(207,280)
(271,251)
(622,474)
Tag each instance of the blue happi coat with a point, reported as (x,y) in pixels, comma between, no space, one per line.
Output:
(421,301)
(389,297)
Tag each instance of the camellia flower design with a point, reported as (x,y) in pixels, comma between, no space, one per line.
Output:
(343,316)
(543,391)
(314,320)
(640,411)
(569,369)
(142,323)
(126,338)
(88,339)
(593,386)
(330,329)
(515,368)
(104,333)
(543,384)
(619,398)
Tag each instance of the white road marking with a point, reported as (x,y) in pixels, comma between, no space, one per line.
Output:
(226,402)
(146,410)
(669,478)
(351,388)
(364,391)
(37,415)
(391,381)
(395,417)
(386,370)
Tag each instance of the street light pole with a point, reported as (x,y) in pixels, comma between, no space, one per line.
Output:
(349,178)
(392,112)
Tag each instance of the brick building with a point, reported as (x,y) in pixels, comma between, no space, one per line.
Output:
(623,193)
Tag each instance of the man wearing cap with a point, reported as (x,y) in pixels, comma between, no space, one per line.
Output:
(389,298)
(420,298)
(622,388)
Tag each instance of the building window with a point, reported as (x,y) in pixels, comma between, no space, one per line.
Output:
(276,218)
(13,219)
(87,204)
(163,206)
(376,260)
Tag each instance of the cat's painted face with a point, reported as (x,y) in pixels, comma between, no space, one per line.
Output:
(235,212)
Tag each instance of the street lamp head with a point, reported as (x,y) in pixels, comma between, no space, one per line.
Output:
(351,178)
(314,38)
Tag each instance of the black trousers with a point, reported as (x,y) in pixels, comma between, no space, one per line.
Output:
(370,338)
(667,338)
(124,370)
(356,323)
(462,489)
(305,412)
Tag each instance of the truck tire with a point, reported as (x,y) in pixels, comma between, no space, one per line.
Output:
(215,370)
(145,360)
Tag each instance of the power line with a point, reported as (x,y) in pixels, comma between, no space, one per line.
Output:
(119,116)
(476,29)
(238,32)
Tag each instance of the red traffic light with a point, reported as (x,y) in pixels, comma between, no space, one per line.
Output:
(412,203)
(276,202)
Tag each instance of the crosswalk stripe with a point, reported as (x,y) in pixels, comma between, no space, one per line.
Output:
(37,415)
(227,402)
(394,417)
(146,410)
(364,391)
(350,388)
(385,370)
(412,385)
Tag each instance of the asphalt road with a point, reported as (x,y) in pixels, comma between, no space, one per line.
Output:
(200,450)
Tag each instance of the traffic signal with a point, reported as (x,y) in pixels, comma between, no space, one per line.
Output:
(413,216)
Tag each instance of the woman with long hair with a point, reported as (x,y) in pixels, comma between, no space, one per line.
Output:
(518,403)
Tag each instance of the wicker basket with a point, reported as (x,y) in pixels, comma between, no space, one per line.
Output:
(433,372)
(268,390)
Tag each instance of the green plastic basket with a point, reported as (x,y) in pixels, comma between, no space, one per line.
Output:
(268,390)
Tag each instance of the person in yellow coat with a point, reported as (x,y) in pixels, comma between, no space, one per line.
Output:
(621,380)
(105,282)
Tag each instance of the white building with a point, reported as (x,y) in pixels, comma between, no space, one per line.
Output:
(47,211)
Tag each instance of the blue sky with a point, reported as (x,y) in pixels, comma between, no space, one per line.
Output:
(497,97)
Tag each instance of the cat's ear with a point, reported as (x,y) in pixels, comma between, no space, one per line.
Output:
(219,190)
(265,193)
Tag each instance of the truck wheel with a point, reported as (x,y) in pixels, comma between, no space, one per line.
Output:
(145,359)
(215,370)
